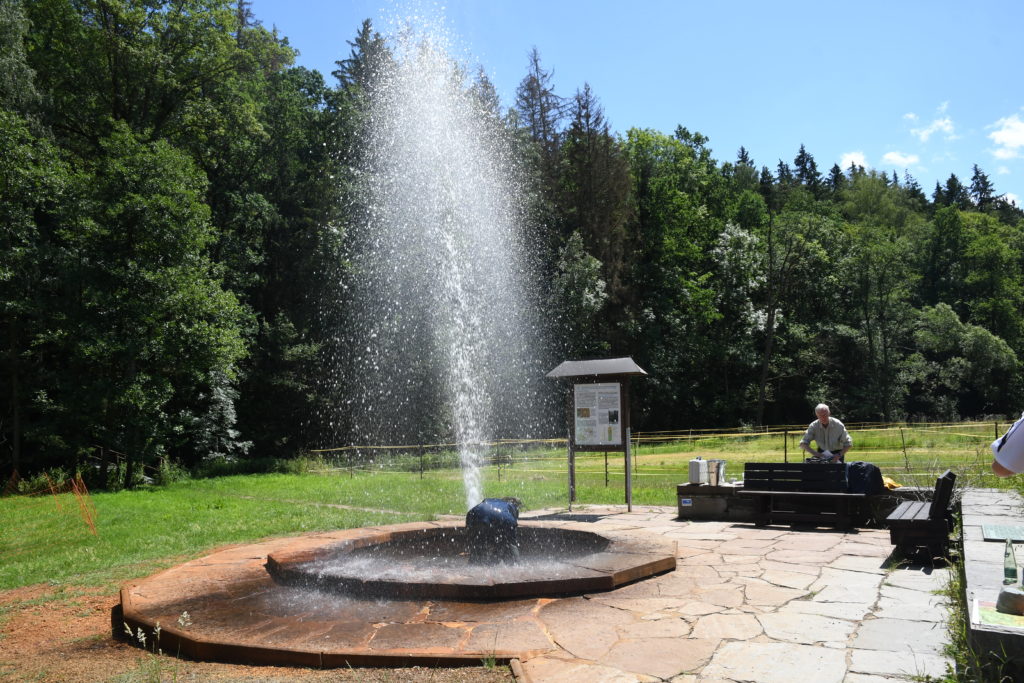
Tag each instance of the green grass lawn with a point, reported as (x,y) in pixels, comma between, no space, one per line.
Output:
(45,538)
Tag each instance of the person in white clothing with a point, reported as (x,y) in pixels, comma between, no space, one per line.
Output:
(1008,450)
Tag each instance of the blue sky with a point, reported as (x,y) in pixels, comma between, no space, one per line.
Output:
(932,87)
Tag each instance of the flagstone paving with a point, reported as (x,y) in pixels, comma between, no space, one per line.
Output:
(743,604)
(752,604)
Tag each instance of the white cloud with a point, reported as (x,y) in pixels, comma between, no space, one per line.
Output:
(1003,170)
(1009,135)
(943,107)
(944,125)
(901,159)
(1011,197)
(910,116)
(852,158)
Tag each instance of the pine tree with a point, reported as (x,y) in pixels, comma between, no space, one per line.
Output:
(540,113)
(982,191)
(744,173)
(368,54)
(807,171)
(956,194)
(539,108)
(743,158)
(595,186)
(915,195)
(836,181)
(784,174)
(769,192)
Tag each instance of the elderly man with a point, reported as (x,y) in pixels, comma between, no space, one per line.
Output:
(829,434)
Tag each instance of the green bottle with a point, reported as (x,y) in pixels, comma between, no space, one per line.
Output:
(1009,564)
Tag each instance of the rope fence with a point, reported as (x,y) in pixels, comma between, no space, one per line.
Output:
(909,451)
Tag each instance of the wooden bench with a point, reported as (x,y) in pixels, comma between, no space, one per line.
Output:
(924,524)
(801,492)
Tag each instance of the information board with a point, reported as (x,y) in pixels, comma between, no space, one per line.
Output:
(598,414)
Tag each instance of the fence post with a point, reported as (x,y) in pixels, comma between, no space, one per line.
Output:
(572,469)
(629,475)
(606,469)
(905,458)
(785,445)
(421,460)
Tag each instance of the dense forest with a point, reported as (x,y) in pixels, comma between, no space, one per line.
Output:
(175,199)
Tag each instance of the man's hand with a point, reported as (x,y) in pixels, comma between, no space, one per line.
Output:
(1001,471)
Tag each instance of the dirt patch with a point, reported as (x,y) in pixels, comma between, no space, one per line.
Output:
(63,634)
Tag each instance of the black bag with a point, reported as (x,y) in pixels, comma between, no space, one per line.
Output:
(863,477)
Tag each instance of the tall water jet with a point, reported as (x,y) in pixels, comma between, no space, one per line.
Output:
(438,306)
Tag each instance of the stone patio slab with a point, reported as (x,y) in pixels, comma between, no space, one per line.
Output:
(807,629)
(905,664)
(660,657)
(902,603)
(575,671)
(850,611)
(584,628)
(726,627)
(840,585)
(919,579)
(900,635)
(776,663)
(859,563)
(786,579)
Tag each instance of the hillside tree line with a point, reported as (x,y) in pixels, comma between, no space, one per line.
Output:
(176,205)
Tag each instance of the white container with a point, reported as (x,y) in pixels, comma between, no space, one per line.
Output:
(698,471)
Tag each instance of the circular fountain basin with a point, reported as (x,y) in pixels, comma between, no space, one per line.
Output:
(433,562)
(228,607)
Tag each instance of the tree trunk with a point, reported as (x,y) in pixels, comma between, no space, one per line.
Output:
(15,400)
(766,359)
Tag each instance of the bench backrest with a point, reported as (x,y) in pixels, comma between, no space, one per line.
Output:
(796,476)
(942,496)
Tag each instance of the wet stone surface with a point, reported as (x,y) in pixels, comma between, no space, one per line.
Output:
(434,562)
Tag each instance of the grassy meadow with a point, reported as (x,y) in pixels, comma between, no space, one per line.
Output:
(46,538)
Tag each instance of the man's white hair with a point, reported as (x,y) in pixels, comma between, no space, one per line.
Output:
(821,407)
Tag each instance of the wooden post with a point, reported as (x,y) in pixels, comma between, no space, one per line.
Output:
(905,458)
(572,471)
(421,460)
(606,469)
(785,446)
(629,475)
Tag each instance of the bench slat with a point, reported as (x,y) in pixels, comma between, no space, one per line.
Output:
(797,494)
